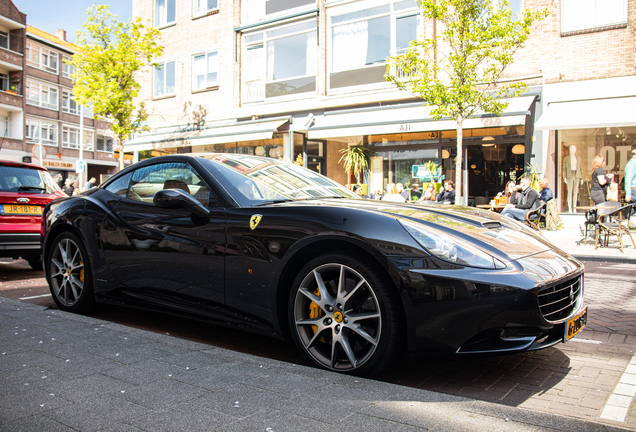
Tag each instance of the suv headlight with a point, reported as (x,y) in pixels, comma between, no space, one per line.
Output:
(450,248)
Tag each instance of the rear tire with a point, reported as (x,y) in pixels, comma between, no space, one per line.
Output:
(69,274)
(345,315)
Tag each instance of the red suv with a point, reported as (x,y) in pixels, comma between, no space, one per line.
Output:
(24,190)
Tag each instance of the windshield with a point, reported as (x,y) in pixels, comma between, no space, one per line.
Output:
(255,180)
(24,179)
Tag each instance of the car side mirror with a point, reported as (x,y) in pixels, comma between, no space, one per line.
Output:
(178,199)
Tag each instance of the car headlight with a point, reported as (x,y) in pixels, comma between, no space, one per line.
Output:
(450,248)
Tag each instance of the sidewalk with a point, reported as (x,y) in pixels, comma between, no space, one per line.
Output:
(570,240)
(63,372)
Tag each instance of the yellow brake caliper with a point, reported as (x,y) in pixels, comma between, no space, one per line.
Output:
(82,272)
(315,312)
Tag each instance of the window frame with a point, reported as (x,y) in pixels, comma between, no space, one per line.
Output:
(161,23)
(596,27)
(40,126)
(42,53)
(68,95)
(8,36)
(106,139)
(68,129)
(205,54)
(263,76)
(202,12)
(259,10)
(154,81)
(41,87)
(351,8)
(67,69)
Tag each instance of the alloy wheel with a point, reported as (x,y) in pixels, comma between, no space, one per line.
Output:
(67,276)
(337,317)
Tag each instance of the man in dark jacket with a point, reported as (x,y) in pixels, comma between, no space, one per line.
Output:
(447,193)
(525,202)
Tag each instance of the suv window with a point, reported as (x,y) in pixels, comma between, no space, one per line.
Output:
(25,179)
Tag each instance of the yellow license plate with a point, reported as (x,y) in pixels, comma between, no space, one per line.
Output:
(20,209)
(575,325)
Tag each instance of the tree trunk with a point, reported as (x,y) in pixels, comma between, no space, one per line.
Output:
(458,164)
(121,155)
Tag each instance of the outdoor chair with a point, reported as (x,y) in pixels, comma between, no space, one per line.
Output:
(591,216)
(615,223)
(535,217)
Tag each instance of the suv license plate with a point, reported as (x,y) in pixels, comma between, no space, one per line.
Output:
(575,325)
(20,209)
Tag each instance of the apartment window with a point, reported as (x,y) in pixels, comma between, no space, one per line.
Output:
(68,103)
(256,10)
(42,95)
(591,14)
(41,132)
(361,40)
(165,79)
(41,57)
(280,61)
(70,138)
(165,12)
(201,7)
(4,81)
(4,40)
(67,69)
(205,70)
(4,126)
(104,143)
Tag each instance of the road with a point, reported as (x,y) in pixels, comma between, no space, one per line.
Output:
(590,377)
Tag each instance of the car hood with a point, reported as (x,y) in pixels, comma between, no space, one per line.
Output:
(501,236)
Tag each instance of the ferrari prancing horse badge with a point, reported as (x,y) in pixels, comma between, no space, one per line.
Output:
(255,220)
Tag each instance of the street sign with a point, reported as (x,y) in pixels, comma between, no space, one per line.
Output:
(80,166)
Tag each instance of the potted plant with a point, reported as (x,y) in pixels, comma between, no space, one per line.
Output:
(12,90)
(355,159)
(434,169)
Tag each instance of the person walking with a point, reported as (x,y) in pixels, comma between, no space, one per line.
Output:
(68,187)
(91,183)
(525,202)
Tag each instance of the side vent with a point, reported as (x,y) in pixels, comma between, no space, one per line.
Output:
(252,247)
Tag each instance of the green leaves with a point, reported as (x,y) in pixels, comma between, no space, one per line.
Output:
(354,159)
(459,70)
(106,64)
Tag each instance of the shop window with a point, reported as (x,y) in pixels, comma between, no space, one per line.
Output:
(205,70)
(165,12)
(361,40)
(202,7)
(256,10)
(280,61)
(579,15)
(165,79)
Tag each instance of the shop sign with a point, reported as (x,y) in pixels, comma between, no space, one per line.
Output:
(423,173)
(57,164)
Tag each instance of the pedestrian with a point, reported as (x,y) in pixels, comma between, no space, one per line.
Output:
(91,183)
(68,187)
(599,180)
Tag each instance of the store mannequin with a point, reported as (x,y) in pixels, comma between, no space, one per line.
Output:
(573,174)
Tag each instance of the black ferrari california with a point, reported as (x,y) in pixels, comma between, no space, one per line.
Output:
(275,248)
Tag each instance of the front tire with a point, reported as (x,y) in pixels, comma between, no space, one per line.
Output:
(69,274)
(344,315)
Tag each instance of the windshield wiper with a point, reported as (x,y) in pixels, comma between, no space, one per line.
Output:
(273,202)
(29,188)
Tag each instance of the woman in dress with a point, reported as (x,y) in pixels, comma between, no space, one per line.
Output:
(599,180)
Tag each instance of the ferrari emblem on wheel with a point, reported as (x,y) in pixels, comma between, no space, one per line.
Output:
(255,220)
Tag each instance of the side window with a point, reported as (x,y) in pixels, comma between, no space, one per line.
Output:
(120,186)
(149,180)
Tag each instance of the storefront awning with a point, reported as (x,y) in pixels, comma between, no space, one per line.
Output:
(412,119)
(245,131)
(597,113)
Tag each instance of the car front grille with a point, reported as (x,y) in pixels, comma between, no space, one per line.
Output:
(558,302)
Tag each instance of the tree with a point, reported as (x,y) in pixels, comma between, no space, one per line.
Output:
(355,158)
(459,70)
(105,68)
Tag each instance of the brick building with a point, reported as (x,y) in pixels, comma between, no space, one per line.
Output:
(38,117)
(306,77)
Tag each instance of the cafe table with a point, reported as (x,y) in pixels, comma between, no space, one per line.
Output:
(496,208)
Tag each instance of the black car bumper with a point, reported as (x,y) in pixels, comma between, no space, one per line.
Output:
(19,245)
